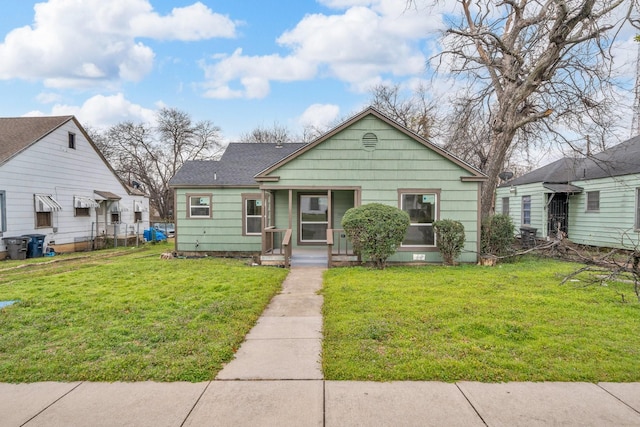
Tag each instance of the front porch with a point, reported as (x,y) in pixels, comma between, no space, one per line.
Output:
(279,251)
(299,225)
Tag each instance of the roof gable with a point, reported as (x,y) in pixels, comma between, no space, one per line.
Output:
(475,174)
(18,133)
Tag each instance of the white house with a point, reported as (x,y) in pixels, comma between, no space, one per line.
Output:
(55,182)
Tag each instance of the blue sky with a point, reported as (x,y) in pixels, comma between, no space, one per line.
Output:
(240,64)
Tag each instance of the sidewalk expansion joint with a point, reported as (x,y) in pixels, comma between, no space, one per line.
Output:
(51,404)
(472,406)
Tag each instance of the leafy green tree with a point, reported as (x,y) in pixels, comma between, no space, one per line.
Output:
(376,230)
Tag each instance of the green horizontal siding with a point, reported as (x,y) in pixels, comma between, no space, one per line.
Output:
(222,232)
(397,162)
(613,225)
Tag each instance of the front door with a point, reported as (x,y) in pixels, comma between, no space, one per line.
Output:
(558,214)
(314,218)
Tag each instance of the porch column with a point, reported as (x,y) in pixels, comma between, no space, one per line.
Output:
(290,209)
(264,222)
(329,216)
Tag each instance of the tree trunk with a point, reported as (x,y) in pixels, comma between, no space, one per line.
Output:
(500,141)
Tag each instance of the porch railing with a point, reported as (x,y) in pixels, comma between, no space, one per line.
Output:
(277,241)
(339,248)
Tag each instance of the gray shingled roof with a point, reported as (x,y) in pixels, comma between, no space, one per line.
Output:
(238,165)
(622,159)
(17,133)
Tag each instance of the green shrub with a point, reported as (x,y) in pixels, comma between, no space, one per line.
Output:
(449,239)
(497,235)
(376,230)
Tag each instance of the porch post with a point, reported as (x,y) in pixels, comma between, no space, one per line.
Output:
(329,216)
(290,209)
(264,222)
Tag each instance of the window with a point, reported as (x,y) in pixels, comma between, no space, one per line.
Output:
(593,201)
(137,211)
(72,140)
(44,205)
(199,206)
(252,215)
(422,209)
(83,205)
(3,212)
(637,221)
(526,210)
(505,206)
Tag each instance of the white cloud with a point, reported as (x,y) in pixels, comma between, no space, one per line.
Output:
(361,46)
(319,116)
(254,74)
(87,43)
(102,111)
(48,97)
(195,22)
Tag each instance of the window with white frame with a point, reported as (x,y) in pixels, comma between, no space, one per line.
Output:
(505,206)
(526,210)
(422,208)
(72,140)
(593,201)
(199,205)
(252,214)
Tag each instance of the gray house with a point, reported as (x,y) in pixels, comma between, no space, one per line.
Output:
(277,200)
(594,201)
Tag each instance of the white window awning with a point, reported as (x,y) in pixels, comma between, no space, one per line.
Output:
(46,203)
(137,206)
(84,202)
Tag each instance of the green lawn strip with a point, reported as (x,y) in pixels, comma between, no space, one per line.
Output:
(130,318)
(513,322)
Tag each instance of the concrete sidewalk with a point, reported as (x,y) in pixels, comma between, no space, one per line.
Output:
(276,380)
(319,403)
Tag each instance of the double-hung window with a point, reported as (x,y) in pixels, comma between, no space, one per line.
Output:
(199,205)
(422,207)
(252,214)
(593,201)
(526,210)
(505,206)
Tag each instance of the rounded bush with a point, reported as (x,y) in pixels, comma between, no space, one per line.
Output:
(450,239)
(497,235)
(376,230)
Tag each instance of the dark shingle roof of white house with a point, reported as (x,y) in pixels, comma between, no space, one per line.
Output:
(18,133)
(619,160)
(238,165)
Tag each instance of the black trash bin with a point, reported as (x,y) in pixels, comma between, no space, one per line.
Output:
(528,237)
(16,247)
(35,247)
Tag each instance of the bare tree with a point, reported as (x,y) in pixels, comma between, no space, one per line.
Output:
(276,134)
(151,155)
(415,112)
(537,69)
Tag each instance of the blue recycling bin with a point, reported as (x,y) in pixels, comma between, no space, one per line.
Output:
(35,247)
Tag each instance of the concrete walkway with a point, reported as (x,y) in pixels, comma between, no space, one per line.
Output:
(276,380)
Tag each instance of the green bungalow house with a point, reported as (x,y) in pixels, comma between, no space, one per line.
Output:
(593,201)
(282,200)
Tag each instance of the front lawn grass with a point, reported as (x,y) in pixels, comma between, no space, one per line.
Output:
(127,315)
(513,322)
